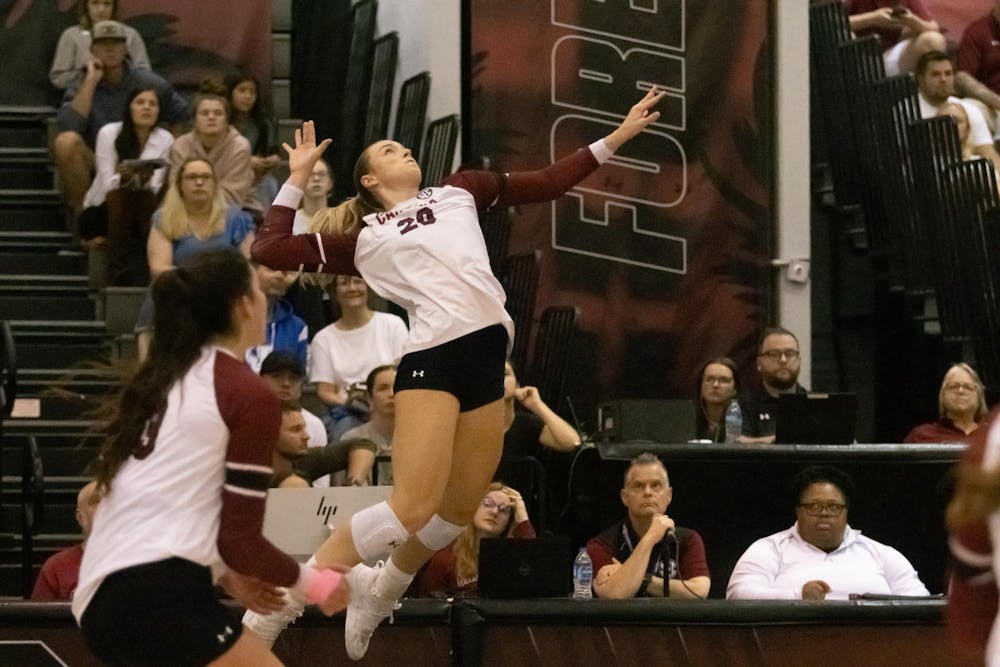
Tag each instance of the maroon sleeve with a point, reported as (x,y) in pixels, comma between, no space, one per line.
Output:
(253,416)
(276,247)
(526,187)
(692,557)
(438,575)
(47,585)
(969,56)
(523,531)
(601,553)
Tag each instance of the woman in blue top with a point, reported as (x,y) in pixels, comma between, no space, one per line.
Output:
(193,219)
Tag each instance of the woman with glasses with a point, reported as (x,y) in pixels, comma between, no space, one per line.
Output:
(717,385)
(454,571)
(193,219)
(821,557)
(961,406)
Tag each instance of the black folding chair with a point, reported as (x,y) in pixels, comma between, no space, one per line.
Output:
(384,58)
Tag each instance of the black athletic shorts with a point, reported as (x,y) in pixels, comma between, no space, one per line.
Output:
(469,368)
(162,613)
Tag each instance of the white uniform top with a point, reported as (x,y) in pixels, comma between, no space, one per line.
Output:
(343,357)
(167,498)
(428,255)
(776,567)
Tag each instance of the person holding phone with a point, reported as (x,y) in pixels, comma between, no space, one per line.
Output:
(905,27)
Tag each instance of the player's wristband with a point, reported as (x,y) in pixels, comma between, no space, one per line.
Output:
(318,584)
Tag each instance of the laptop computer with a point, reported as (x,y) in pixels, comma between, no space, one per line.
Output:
(515,569)
(638,420)
(816,418)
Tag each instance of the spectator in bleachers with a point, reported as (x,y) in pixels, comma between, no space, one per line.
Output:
(308,298)
(778,365)
(285,375)
(717,384)
(936,87)
(961,406)
(905,28)
(454,571)
(122,197)
(193,219)
(821,556)
(646,554)
(73,49)
(60,573)
(345,352)
(978,63)
(285,330)
(536,426)
(378,429)
(292,445)
(259,128)
(316,196)
(215,141)
(96,98)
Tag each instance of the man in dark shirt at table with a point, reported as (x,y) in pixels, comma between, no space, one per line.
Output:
(778,364)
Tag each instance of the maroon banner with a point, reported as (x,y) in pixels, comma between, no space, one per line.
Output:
(666,248)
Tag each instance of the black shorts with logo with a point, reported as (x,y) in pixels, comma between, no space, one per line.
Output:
(470,368)
(161,613)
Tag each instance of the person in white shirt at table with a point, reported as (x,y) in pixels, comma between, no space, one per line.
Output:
(821,557)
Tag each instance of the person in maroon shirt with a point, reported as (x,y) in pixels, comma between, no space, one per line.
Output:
(905,27)
(454,571)
(59,575)
(646,554)
(961,404)
(978,62)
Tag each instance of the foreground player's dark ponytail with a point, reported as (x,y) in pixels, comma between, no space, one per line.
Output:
(192,305)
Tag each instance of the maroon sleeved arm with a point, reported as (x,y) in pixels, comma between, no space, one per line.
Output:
(523,531)
(276,247)
(526,187)
(253,416)
(692,557)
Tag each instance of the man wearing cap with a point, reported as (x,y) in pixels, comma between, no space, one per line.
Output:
(97,98)
(283,373)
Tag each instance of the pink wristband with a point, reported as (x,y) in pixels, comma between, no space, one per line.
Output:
(319,584)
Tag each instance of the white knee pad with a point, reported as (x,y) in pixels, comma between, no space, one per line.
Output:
(377,531)
(438,533)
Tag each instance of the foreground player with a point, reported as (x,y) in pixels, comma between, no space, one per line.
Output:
(424,250)
(183,475)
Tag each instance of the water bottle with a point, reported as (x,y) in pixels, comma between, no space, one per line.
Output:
(734,422)
(583,576)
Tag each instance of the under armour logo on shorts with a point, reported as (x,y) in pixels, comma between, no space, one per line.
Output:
(418,373)
(222,637)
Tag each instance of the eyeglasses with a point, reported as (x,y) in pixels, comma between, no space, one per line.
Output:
(491,504)
(197,177)
(717,379)
(955,386)
(775,355)
(816,509)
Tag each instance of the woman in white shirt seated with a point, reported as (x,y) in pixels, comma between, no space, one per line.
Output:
(122,197)
(821,557)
